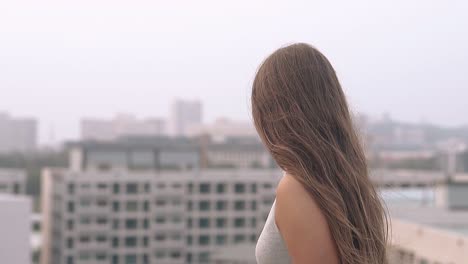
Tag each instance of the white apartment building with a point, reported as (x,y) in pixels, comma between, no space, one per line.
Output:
(138,202)
(136,217)
(17,134)
(12,181)
(121,126)
(185,114)
(15,228)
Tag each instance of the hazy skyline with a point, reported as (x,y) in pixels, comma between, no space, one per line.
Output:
(60,62)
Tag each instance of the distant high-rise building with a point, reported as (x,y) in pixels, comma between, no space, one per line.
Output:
(15,229)
(223,129)
(185,114)
(122,125)
(140,202)
(12,181)
(17,134)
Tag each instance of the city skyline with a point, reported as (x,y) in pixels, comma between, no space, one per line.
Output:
(64,61)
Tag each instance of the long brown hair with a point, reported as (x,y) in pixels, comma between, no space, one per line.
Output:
(301,115)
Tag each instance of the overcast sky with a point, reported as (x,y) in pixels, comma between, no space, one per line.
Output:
(61,61)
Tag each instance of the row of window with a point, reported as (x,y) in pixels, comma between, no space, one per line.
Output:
(222,205)
(203,205)
(203,188)
(125,259)
(221,222)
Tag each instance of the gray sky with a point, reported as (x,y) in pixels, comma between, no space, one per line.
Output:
(63,61)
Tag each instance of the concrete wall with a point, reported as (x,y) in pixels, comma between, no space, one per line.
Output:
(15,228)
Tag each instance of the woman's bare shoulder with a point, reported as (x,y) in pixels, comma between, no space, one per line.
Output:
(302,224)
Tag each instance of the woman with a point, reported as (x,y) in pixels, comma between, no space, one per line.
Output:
(326,210)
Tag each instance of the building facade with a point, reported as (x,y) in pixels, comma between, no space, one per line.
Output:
(17,134)
(123,216)
(12,181)
(140,201)
(121,126)
(185,114)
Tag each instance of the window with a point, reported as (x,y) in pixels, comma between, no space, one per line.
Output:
(221,205)
(16,188)
(221,222)
(70,242)
(84,239)
(115,259)
(239,188)
(189,240)
(101,256)
(189,206)
(254,188)
(116,188)
(239,222)
(190,187)
(131,223)
(267,186)
(101,220)
(70,224)
(115,242)
(253,205)
(175,254)
(132,188)
(189,223)
(145,223)
(239,205)
(204,188)
(115,206)
(71,188)
(146,206)
(239,238)
(85,220)
(130,241)
(130,259)
(160,202)
(147,187)
(204,240)
(145,241)
(160,237)
(221,188)
(160,220)
(253,238)
(221,239)
(204,205)
(253,222)
(132,206)
(101,238)
(204,257)
(101,186)
(71,207)
(101,203)
(204,223)
(69,260)
(115,224)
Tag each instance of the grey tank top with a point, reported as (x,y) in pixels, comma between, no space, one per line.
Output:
(271,248)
